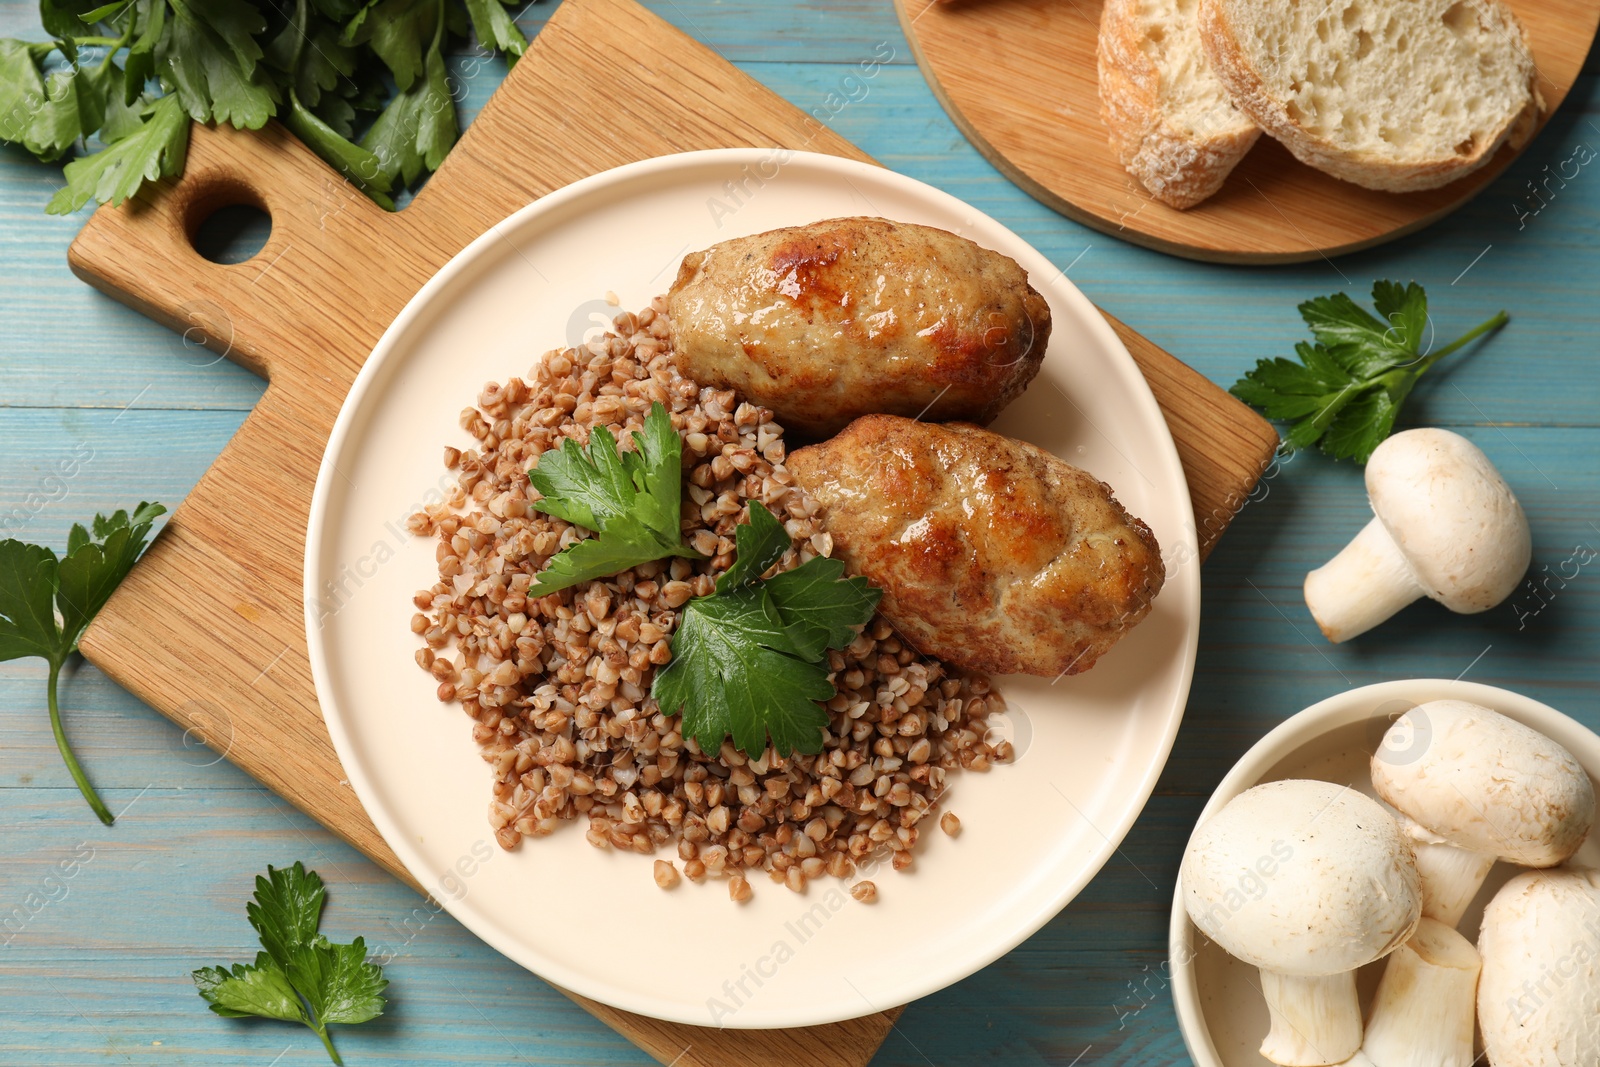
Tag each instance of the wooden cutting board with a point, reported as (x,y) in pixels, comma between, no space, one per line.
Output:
(209,626)
(1019,78)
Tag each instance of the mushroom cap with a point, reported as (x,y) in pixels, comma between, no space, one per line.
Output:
(1539,993)
(1302,878)
(1485,782)
(1452,516)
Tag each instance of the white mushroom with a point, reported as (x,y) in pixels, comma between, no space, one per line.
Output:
(1422,1013)
(1478,787)
(1539,998)
(1451,876)
(1444,525)
(1307,881)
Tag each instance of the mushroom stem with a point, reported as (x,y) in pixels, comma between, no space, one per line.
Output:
(1422,1014)
(1368,581)
(1451,877)
(1315,1021)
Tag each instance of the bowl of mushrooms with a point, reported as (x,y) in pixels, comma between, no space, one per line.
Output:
(1399,876)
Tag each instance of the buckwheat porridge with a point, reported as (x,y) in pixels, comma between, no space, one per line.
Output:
(558,686)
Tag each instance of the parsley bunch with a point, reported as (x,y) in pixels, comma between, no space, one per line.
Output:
(631,499)
(301,976)
(361,82)
(47,602)
(1347,389)
(750,660)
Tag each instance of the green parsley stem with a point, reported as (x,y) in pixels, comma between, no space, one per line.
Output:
(1324,418)
(327,1043)
(299,23)
(78,776)
(114,46)
(100,42)
(1473,334)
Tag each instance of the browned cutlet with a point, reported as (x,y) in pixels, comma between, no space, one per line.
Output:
(992,554)
(847,317)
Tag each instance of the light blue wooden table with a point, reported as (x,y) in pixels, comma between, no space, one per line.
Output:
(96,970)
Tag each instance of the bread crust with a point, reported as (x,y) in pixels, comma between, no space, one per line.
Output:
(1174,166)
(1369,170)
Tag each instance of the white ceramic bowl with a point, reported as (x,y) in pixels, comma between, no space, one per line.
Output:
(1218,998)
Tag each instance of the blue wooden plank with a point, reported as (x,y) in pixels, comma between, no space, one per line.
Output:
(103,926)
(123,744)
(1263,659)
(62,464)
(97,973)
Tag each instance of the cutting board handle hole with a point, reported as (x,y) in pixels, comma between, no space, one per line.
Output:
(227,222)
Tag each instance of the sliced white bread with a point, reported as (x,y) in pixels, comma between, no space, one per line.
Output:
(1395,95)
(1171,122)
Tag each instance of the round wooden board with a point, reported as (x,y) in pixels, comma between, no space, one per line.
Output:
(1019,79)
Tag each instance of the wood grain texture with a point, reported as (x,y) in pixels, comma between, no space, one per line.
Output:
(100,976)
(1019,78)
(243,526)
(347,267)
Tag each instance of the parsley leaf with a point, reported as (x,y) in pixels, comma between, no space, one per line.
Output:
(1348,387)
(363,83)
(73,105)
(736,672)
(821,608)
(47,115)
(749,661)
(337,981)
(318,63)
(301,976)
(260,989)
(356,163)
(210,56)
(758,544)
(494,27)
(155,150)
(149,20)
(631,499)
(37,589)
(287,909)
(313,59)
(399,32)
(21,88)
(418,128)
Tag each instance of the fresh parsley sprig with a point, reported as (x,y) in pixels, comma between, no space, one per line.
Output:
(137,71)
(631,499)
(750,660)
(301,976)
(1347,389)
(46,603)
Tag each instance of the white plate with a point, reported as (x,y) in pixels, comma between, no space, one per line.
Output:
(1218,998)
(594,922)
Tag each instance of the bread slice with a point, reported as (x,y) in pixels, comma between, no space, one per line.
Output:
(1171,122)
(1395,95)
